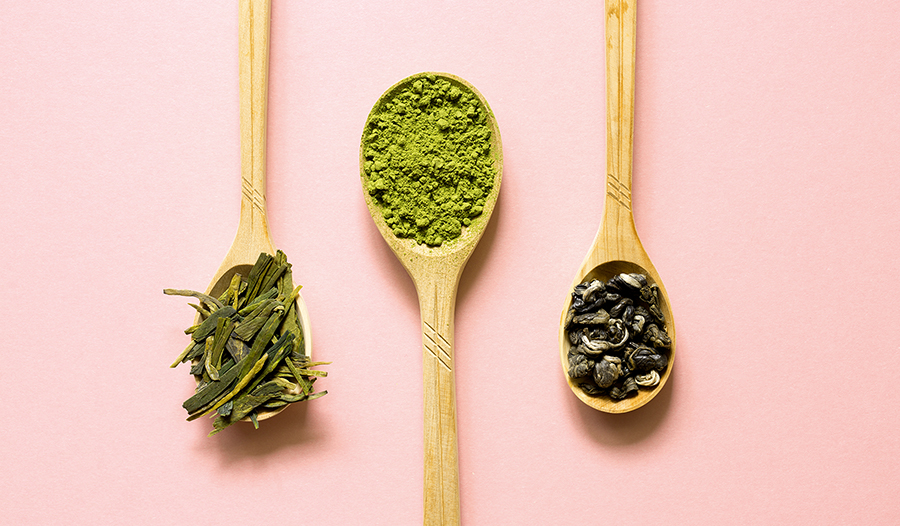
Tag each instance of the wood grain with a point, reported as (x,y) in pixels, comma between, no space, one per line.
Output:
(617,247)
(436,272)
(253,235)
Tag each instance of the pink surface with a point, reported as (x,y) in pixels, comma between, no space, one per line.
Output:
(765,190)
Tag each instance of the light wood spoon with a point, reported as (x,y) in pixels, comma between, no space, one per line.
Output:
(617,248)
(436,272)
(253,229)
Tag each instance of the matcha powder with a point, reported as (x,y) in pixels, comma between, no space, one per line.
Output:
(428,162)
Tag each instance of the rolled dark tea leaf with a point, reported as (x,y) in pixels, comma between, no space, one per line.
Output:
(617,327)
(579,365)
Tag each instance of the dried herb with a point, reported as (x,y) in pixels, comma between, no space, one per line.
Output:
(428,162)
(618,336)
(247,353)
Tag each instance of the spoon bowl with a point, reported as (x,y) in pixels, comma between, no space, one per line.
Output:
(458,249)
(617,248)
(604,272)
(253,235)
(436,271)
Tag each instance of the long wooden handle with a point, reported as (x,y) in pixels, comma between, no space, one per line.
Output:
(437,300)
(621,22)
(253,46)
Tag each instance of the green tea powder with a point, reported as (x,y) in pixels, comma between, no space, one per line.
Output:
(428,163)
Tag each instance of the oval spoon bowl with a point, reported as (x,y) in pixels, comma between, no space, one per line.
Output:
(604,272)
(435,271)
(253,236)
(617,248)
(461,247)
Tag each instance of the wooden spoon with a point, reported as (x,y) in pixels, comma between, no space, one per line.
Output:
(253,229)
(436,272)
(617,248)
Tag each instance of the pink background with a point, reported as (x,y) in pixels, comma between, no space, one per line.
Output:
(765,190)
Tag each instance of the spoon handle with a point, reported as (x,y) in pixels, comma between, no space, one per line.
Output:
(621,23)
(437,300)
(254,23)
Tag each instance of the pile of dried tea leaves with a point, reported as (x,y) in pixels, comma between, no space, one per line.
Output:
(247,354)
(618,336)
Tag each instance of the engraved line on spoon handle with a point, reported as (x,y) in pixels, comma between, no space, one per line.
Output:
(618,191)
(438,346)
(254,83)
(441,492)
(253,195)
(620,47)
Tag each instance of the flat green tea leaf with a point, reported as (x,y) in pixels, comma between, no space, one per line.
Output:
(246,379)
(236,348)
(257,301)
(273,277)
(202,311)
(207,358)
(192,293)
(209,324)
(255,321)
(248,403)
(304,383)
(257,275)
(183,356)
(223,333)
(262,340)
(225,409)
(247,353)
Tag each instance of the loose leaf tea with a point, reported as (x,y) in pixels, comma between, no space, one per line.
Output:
(428,161)
(618,337)
(247,353)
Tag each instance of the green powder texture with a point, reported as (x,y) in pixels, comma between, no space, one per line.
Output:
(428,161)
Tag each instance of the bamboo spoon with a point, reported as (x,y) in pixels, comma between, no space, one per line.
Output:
(253,229)
(617,248)
(436,272)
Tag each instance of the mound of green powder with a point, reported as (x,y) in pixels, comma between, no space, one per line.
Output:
(428,161)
